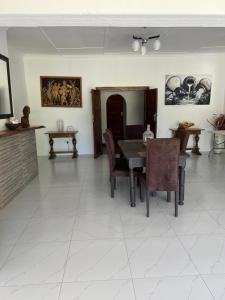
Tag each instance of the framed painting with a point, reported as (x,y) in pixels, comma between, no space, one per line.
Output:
(188,89)
(57,91)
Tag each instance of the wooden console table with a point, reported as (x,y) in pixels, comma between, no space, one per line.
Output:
(62,134)
(192,131)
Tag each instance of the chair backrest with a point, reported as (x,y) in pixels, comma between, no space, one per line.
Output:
(134,132)
(162,162)
(111,140)
(110,148)
(182,134)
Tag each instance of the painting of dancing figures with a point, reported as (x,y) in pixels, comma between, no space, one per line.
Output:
(188,89)
(61,91)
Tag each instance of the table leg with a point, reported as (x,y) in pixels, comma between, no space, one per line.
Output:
(132,189)
(74,141)
(196,148)
(51,152)
(181,185)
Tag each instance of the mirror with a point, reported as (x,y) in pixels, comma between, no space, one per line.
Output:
(6,108)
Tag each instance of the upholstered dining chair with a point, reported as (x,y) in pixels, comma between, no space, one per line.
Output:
(118,167)
(182,134)
(162,162)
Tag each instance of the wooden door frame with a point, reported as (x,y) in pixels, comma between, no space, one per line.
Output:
(120,89)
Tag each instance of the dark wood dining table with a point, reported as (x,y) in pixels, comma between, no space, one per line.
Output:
(134,152)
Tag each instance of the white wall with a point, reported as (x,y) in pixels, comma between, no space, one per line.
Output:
(134,104)
(113,7)
(121,71)
(4,51)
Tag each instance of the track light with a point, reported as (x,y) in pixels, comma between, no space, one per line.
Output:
(141,43)
(156,45)
(135,45)
(143,49)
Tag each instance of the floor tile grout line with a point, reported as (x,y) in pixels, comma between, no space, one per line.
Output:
(125,244)
(14,246)
(199,274)
(106,280)
(70,242)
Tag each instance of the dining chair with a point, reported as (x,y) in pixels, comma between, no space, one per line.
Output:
(118,167)
(114,146)
(182,134)
(162,161)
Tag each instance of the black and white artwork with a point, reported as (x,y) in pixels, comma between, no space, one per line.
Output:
(188,89)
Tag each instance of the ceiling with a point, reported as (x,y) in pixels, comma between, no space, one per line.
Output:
(113,40)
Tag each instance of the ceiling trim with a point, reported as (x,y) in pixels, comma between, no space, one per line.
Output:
(36,20)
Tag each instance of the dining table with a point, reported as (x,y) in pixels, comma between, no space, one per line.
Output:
(134,151)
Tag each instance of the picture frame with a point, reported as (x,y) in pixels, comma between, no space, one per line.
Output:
(6,103)
(188,89)
(61,91)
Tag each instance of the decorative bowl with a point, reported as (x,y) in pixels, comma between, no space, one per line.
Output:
(186,124)
(12,126)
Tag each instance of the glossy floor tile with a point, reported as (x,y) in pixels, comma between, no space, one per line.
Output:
(97,260)
(34,292)
(34,264)
(107,290)
(176,288)
(64,238)
(158,257)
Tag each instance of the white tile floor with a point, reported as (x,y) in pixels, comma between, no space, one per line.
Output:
(64,238)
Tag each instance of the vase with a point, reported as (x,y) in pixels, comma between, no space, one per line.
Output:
(218,142)
(60,125)
(148,134)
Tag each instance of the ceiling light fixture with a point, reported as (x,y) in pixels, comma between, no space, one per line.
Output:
(141,43)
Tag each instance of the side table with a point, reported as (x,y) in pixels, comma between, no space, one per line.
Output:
(192,131)
(62,134)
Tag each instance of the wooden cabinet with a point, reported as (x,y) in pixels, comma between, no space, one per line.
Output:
(18,162)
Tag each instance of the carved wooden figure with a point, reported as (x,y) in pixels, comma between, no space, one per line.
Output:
(25,118)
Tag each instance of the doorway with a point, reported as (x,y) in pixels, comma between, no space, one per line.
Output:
(150,113)
(116,116)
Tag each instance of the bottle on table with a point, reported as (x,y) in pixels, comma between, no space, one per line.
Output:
(148,134)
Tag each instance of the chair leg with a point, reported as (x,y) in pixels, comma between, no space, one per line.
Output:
(176,203)
(112,186)
(147,203)
(140,189)
(138,181)
(135,191)
(115,183)
(168,197)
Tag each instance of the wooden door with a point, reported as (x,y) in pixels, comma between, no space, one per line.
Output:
(97,123)
(150,109)
(116,116)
